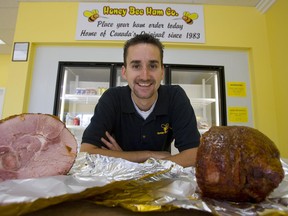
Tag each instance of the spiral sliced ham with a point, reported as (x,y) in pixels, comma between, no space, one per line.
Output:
(35,145)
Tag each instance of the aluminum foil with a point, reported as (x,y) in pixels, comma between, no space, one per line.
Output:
(155,185)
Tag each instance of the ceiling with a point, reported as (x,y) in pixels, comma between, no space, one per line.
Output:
(9,10)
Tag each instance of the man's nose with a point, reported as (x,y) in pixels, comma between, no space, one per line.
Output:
(145,73)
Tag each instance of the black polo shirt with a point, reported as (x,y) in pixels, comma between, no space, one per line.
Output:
(172,118)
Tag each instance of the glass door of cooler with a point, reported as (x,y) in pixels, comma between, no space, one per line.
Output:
(79,88)
(205,88)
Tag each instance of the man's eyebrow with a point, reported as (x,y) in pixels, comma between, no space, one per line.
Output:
(138,62)
(134,62)
(154,61)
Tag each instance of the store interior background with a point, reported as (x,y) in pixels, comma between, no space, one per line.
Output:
(262,35)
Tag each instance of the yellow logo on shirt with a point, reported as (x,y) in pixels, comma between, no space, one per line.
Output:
(165,129)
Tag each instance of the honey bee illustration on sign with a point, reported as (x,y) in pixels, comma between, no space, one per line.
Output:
(189,17)
(92,15)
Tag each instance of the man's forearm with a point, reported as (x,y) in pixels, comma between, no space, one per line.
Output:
(131,156)
(134,156)
(185,158)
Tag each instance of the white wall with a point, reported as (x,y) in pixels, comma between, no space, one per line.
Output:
(2,95)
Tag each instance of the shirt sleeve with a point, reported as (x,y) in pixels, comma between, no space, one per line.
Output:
(184,122)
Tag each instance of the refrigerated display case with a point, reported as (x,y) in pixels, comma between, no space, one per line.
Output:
(205,87)
(81,84)
(79,87)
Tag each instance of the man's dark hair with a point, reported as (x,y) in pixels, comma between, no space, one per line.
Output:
(143,38)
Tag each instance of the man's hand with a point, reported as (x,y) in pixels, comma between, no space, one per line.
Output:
(111,143)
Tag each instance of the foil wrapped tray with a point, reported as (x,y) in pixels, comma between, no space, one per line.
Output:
(155,185)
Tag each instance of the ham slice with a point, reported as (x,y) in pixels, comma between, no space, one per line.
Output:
(35,145)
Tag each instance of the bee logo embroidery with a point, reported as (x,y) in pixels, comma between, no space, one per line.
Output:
(165,129)
(92,15)
(189,17)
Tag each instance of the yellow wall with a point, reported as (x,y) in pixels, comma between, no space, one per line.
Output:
(226,28)
(4,64)
(278,34)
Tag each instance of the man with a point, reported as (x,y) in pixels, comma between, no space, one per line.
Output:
(140,121)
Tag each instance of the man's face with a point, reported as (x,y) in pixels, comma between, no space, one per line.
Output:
(144,71)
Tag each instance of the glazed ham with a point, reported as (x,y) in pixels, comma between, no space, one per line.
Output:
(237,163)
(35,145)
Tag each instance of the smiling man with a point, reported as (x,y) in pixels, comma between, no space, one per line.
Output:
(141,120)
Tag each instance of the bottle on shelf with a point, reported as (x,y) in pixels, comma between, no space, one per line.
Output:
(69,119)
(76,121)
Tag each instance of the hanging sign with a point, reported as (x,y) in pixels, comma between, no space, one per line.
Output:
(121,21)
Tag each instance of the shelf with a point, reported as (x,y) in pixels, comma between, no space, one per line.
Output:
(202,101)
(82,98)
(75,127)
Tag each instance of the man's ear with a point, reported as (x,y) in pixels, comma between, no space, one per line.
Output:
(163,72)
(123,72)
